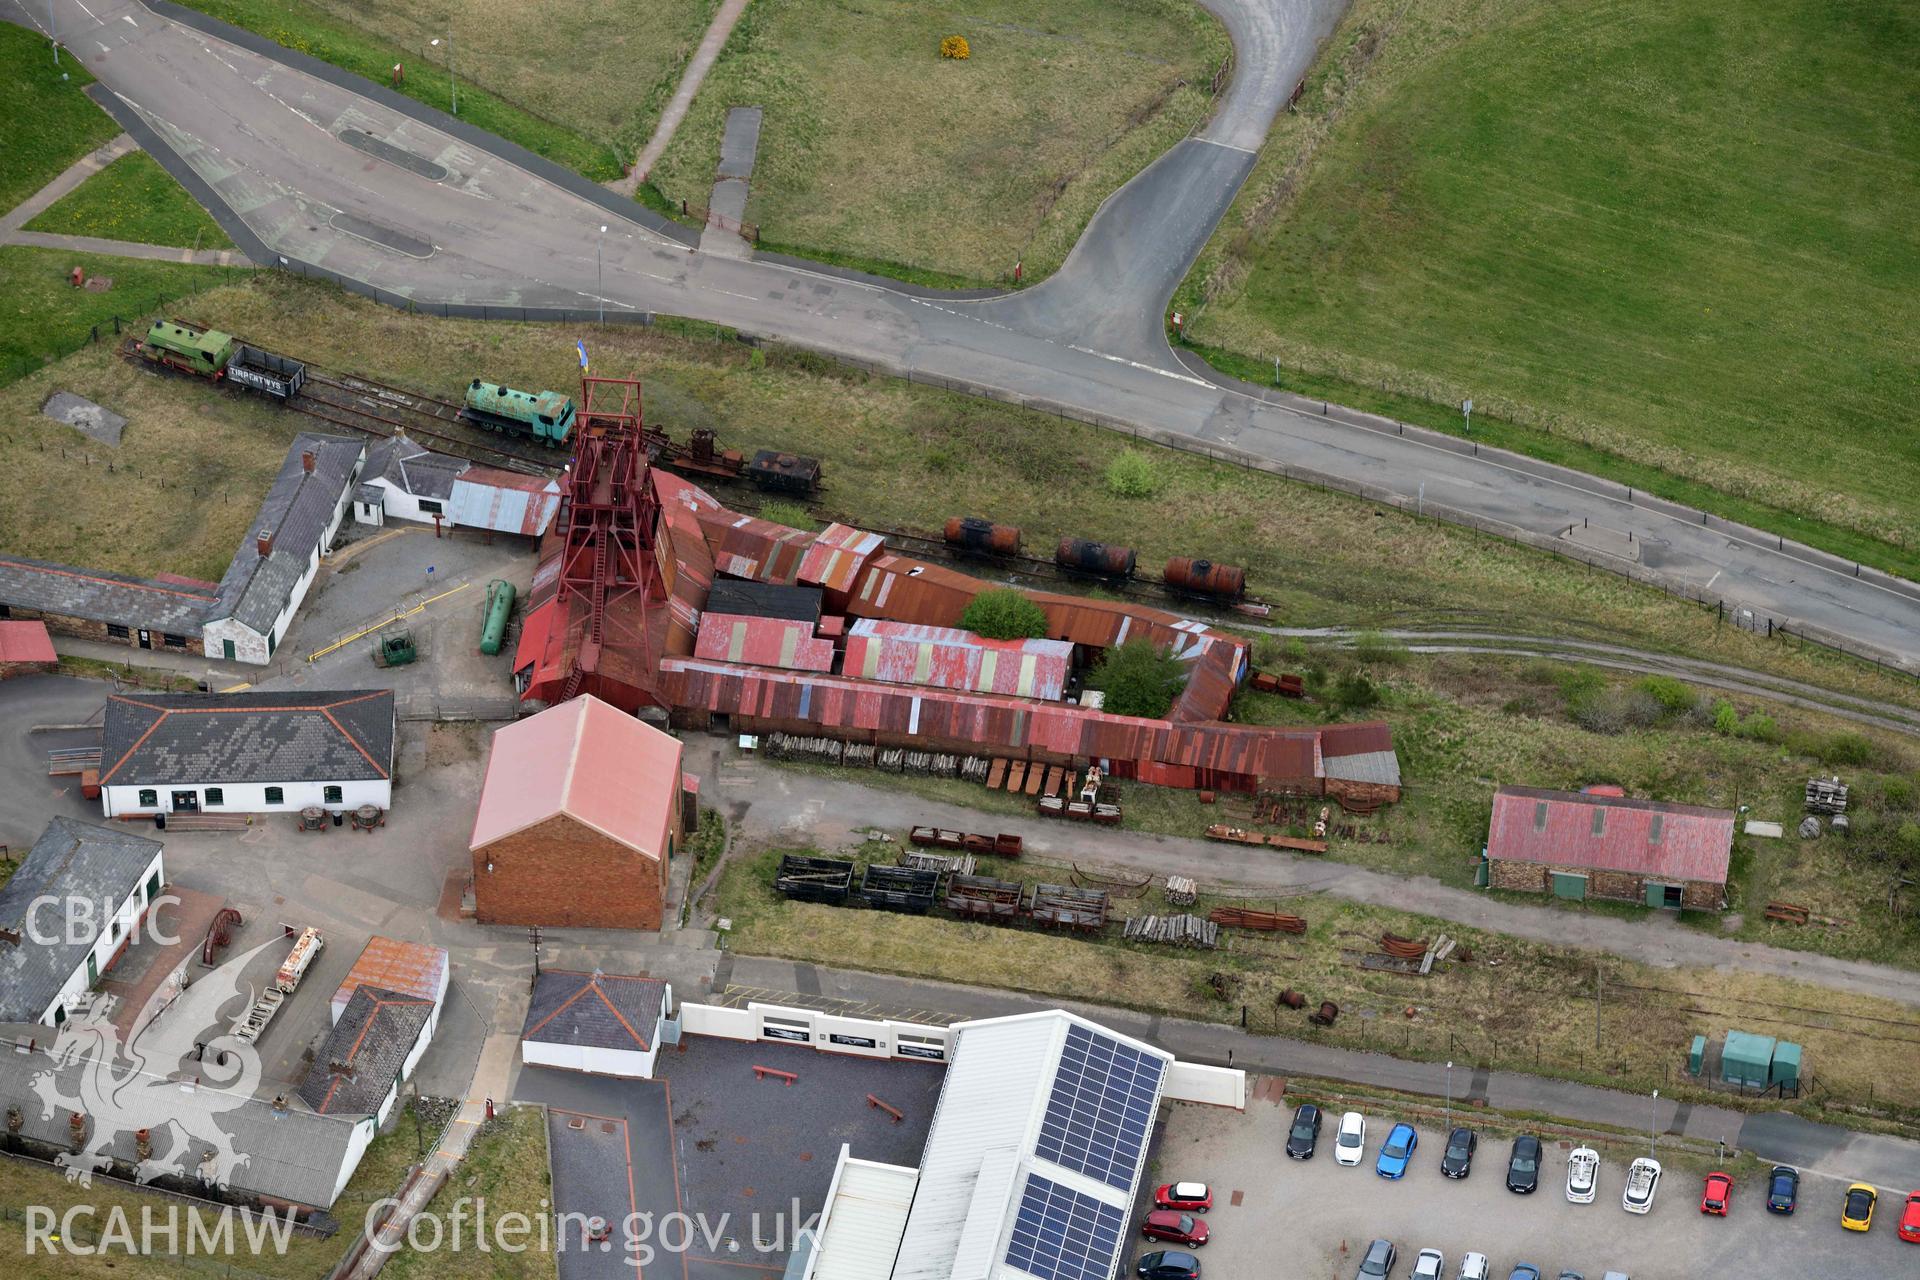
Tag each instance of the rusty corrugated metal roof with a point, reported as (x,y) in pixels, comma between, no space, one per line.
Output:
(762,642)
(838,555)
(949,658)
(908,590)
(755,549)
(1611,833)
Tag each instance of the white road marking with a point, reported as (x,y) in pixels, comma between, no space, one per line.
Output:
(102,47)
(1245,151)
(128,19)
(1135,364)
(90,13)
(1715,578)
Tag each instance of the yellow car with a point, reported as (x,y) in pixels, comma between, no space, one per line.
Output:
(1856,1213)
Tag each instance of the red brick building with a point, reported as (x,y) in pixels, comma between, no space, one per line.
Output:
(1602,844)
(579,816)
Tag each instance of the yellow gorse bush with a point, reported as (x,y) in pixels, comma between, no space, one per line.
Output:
(955,47)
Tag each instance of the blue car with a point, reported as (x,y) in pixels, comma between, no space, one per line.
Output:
(1524,1271)
(1397,1150)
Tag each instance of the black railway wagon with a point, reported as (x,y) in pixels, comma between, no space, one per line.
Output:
(827,880)
(1087,559)
(278,376)
(907,889)
(779,472)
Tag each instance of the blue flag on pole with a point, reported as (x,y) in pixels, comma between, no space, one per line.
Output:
(583,355)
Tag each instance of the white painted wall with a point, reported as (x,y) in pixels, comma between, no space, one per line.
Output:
(363,1132)
(781,1024)
(1216,1086)
(113,931)
(373,513)
(628,1063)
(250,645)
(400,505)
(118,801)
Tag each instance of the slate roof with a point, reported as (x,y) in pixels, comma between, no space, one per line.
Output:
(296,511)
(291,1155)
(70,861)
(199,739)
(765,600)
(595,1010)
(371,1042)
(103,597)
(411,469)
(1556,828)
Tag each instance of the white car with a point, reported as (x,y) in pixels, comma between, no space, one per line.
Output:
(1350,1143)
(1475,1267)
(1583,1175)
(1429,1265)
(1643,1179)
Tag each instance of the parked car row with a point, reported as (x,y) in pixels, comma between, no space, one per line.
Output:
(1524,1159)
(1378,1261)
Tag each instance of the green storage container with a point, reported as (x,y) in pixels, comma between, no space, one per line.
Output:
(1747,1059)
(493,632)
(1570,885)
(1697,1056)
(1785,1069)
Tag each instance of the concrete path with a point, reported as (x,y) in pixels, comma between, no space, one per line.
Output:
(768,801)
(257,127)
(69,178)
(725,232)
(690,80)
(131,249)
(1825,1149)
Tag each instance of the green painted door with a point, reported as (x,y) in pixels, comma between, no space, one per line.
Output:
(226,650)
(93,968)
(1656,893)
(1569,886)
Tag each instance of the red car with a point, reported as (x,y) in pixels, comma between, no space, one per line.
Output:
(1190,1197)
(1910,1220)
(1175,1226)
(1719,1191)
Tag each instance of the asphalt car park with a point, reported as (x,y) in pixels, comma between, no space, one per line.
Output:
(1328,1213)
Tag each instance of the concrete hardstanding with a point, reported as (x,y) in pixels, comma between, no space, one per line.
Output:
(563,873)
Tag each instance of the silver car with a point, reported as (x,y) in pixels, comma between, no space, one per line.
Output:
(1475,1267)
(1429,1265)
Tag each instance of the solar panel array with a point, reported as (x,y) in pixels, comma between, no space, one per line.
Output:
(1101,1109)
(1060,1234)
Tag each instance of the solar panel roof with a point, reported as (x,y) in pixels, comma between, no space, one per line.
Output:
(1101,1109)
(1060,1234)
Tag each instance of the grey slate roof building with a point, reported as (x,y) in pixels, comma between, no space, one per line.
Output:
(196,739)
(764,600)
(71,861)
(96,596)
(411,469)
(292,520)
(291,1155)
(595,1010)
(365,1053)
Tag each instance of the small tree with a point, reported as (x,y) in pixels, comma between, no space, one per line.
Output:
(1004,614)
(1138,679)
(1132,474)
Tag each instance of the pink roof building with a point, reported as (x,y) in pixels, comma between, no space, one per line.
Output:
(26,641)
(1606,835)
(579,816)
(762,642)
(948,658)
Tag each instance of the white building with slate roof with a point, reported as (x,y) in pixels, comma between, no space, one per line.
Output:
(274,751)
(280,558)
(608,1024)
(403,481)
(67,913)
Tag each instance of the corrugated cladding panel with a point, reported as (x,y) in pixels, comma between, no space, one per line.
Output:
(762,642)
(760,550)
(1693,844)
(911,653)
(837,555)
(912,591)
(1363,738)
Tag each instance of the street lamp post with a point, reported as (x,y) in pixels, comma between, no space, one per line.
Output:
(453,84)
(1449,1111)
(1653,1124)
(599,276)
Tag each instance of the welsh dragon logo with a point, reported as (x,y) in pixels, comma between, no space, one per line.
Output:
(169,1077)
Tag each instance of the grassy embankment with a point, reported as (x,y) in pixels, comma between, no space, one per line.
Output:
(877,153)
(1666,245)
(133,199)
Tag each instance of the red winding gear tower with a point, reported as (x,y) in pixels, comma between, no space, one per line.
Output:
(599,596)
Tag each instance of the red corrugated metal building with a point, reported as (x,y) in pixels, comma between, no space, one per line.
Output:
(948,658)
(762,642)
(1585,844)
(837,556)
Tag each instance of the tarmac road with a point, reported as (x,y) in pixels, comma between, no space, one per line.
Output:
(435,212)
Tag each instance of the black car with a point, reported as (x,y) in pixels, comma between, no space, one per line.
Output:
(1167,1264)
(1783,1189)
(1458,1160)
(1305,1132)
(1523,1166)
(1378,1260)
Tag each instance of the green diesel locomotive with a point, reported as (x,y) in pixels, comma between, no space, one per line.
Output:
(545,416)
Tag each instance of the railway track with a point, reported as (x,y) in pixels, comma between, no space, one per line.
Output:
(376,408)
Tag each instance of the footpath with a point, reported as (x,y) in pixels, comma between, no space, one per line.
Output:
(14,220)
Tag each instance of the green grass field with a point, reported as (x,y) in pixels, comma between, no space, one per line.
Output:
(877,152)
(580,82)
(45,317)
(134,199)
(50,121)
(1681,234)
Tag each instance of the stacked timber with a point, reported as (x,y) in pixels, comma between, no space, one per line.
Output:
(957,864)
(1181,891)
(1181,931)
(1826,795)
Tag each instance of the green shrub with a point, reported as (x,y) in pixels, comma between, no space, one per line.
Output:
(1354,692)
(790,514)
(1726,721)
(1580,686)
(1138,679)
(1897,793)
(1847,748)
(1004,614)
(944,459)
(1133,474)
(1675,697)
(1373,648)
(1760,728)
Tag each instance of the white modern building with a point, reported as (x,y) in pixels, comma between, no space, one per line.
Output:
(254,752)
(603,1023)
(402,481)
(278,561)
(68,912)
